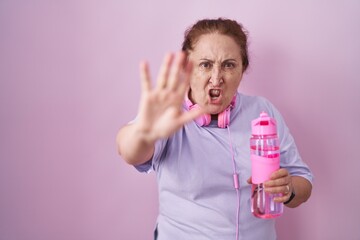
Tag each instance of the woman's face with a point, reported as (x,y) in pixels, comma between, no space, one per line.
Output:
(217,72)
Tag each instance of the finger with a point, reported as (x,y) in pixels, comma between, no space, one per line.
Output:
(176,71)
(190,115)
(285,189)
(280,173)
(278,182)
(164,70)
(145,76)
(280,177)
(283,198)
(249,181)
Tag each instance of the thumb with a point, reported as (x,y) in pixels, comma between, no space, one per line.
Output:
(191,115)
(249,181)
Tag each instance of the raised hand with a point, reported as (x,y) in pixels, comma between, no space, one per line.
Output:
(160,112)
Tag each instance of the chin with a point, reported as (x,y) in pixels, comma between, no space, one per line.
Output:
(215,110)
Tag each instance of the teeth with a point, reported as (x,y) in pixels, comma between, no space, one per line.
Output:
(214,93)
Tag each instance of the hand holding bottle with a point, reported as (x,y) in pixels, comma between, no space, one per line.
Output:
(279,182)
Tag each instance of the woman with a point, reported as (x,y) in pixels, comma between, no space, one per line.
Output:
(195,160)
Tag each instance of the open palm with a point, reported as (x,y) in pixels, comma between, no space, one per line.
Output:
(160,111)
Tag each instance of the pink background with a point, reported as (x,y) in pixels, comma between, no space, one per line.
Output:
(69,80)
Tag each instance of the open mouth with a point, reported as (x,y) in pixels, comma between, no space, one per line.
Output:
(214,93)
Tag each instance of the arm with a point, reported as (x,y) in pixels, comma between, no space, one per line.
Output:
(160,112)
(133,145)
(302,189)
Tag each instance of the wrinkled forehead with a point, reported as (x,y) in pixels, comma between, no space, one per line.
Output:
(215,46)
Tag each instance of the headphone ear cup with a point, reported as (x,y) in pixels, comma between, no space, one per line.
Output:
(204,119)
(224,118)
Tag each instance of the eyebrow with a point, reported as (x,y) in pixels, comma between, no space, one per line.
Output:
(205,59)
(226,60)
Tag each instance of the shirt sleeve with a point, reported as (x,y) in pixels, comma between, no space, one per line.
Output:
(153,163)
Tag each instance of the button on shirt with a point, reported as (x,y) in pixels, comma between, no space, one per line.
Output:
(194,170)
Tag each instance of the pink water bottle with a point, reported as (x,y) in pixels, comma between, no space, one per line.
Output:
(265,159)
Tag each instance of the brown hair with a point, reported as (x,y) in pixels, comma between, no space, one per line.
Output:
(223,26)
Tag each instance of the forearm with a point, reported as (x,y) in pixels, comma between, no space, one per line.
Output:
(302,189)
(133,146)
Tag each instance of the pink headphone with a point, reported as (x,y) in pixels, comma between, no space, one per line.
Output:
(205,119)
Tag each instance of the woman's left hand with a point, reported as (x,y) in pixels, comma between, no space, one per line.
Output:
(280,182)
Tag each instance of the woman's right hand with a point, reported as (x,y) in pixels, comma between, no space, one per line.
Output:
(160,112)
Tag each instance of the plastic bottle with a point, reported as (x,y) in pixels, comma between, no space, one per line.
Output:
(265,159)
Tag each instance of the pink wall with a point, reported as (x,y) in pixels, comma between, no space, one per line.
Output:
(69,80)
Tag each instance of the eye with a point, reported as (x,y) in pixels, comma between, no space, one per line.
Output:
(205,65)
(229,65)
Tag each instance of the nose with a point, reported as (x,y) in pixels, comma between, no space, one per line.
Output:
(216,77)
